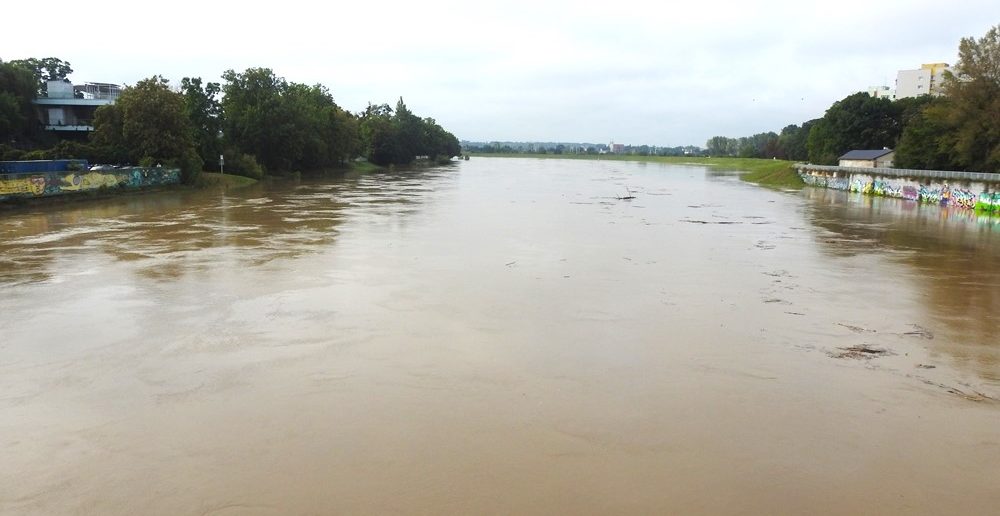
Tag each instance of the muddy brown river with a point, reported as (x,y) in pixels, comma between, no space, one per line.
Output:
(500,336)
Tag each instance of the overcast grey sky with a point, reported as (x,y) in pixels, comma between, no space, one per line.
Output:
(659,73)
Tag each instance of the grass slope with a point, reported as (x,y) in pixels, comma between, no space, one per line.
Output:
(225,180)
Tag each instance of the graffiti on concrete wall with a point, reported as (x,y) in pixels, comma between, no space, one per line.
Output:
(886,189)
(74,182)
(963,198)
(838,183)
(43,184)
(22,185)
(931,194)
(976,197)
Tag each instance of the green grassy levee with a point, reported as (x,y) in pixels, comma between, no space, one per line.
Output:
(226,180)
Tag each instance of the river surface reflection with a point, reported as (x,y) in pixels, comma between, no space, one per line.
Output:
(503,336)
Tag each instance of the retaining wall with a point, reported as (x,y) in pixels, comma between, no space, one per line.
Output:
(972,190)
(52,182)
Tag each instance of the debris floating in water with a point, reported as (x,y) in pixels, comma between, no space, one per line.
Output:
(861,351)
(628,195)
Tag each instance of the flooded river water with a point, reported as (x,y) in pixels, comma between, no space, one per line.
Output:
(500,336)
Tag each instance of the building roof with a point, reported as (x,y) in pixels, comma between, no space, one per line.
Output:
(866,154)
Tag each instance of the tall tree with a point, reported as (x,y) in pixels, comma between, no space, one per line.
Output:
(442,145)
(380,136)
(257,121)
(44,70)
(203,109)
(17,90)
(974,95)
(928,141)
(793,140)
(722,146)
(858,121)
(410,132)
(154,127)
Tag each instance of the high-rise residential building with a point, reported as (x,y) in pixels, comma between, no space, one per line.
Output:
(926,80)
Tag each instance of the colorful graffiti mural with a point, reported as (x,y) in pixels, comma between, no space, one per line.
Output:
(930,194)
(859,185)
(24,185)
(44,184)
(963,198)
(838,183)
(886,189)
(912,187)
(75,182)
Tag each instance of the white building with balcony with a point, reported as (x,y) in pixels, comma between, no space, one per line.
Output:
(68,108)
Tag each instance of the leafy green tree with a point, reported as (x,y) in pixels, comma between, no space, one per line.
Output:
(722,146)
(44,70)
(793,139)
(154,127)
(203,109)
(380,136)
(107,138)
(346,135)
(410,134)
(17,90)
(398,136)
(296,126)
(327,132)
(928,141)
(442,145)
(858,121)
(256,120)
(974,96)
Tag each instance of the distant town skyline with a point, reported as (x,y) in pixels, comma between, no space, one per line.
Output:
(641,74)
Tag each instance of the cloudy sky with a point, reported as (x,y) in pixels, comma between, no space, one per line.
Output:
(659,73)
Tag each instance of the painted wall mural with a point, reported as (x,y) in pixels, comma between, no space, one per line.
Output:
(981,196)
(43,184)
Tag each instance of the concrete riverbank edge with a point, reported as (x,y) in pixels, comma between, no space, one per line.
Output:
(973,190)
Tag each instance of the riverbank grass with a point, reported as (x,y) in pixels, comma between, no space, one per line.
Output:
(770,173)
(224,180)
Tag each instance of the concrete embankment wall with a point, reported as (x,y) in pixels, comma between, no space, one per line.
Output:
(972,190)
(45,183)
